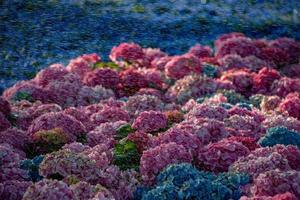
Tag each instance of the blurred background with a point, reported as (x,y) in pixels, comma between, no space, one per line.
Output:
(36,33)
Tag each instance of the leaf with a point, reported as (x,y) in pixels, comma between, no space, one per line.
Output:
(126,155)
(123,131)
(110,65)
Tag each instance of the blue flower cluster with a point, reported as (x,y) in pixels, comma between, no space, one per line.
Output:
(183,181)
(210,70)
(280,135)
(32,165)
(233,97)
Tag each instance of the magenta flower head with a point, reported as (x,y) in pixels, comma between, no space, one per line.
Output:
(73,128)
(55,72)
(155,159)
(127,53)
(200,51)
(4,106)
(49,189)
(217,157)
(180,66)
(83,64)
(223,38)
(4,123)
(13,190)
(150,121)
(290,46)
(238,45)
(110,114)
(106,77)
(276,182)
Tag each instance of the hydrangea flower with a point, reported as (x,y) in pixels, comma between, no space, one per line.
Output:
(4,123)
(217,157)
(10,164)
(276,182)
(291,105)
(64,163)
(280,135)
(106,77)
(4,106)
(139,103)
(237,45)
(180,66)
(49,189)
(69,125)
(191,86)
(83,64)
(150,121)
(16,138)
(155,159)
(13,190)
(127,53)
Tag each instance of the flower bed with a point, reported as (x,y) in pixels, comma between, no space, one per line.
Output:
(138,127)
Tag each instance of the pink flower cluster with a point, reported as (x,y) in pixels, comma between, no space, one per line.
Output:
(155,159)
(209,108)
(150,121)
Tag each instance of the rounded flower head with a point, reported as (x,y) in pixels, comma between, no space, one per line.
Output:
(241,79)
(64,163)
(268,158)
(217,157)
(180,66)
(284,86)
(200,51)
(27,90)
(276,182)
(150,121)
(181,137)
(4,106)
(132,80)
(292,71)
(237,45)
(106,77)
(81,116)
(10,164)
(83,64)
(13,190)
(191,86)
(262,81)
(127,53)
(280,135)
(274,55)
(67,123)
(152,54)
(224,37)
(16,138)
(290,46)
(160,63)
(4,123)
(207,111)
(110,114)
(280,120)
(269,103)
(207,130)
(49,189)
(55,72)
(139,103)
(291,105)
(155,159)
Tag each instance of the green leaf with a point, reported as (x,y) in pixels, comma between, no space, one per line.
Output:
(123,131)
(126,155)
(23,96)
(110,65)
